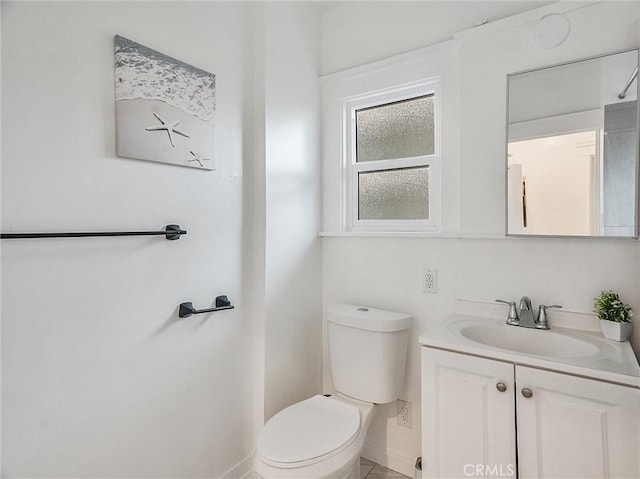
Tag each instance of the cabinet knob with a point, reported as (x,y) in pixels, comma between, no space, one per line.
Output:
(502,387)
(526,392)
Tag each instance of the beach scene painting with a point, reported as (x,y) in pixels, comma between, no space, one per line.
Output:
(165,108)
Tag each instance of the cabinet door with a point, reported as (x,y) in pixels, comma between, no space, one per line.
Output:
(574,427)
(468,427)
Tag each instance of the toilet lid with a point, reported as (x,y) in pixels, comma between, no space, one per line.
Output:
(308,430)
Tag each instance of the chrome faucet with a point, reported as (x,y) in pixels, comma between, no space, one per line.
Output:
(526,314)
(523,315)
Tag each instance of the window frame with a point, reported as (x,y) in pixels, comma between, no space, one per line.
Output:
(351,168)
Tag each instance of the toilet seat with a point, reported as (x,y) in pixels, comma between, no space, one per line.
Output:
(308,432)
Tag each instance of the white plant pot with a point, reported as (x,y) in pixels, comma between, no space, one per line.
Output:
(616,331)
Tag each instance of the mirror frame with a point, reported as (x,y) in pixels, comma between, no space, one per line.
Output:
(636,227)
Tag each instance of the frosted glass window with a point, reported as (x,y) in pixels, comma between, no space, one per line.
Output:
(402,129)
(400,194)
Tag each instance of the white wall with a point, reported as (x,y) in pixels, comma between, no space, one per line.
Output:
(386,272)
(99,376)
(293,305)
(366,31)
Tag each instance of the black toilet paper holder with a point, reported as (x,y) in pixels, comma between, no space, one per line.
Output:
(187,309)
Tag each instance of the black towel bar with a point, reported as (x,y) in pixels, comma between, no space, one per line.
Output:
(171,232)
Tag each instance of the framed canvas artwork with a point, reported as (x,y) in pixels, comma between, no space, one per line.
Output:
(165,109)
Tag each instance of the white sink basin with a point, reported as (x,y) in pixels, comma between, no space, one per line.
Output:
(528,341)
(580,352)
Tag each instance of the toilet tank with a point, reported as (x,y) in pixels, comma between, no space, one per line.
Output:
(367,351)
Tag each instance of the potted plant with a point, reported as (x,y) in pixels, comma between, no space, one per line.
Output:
(615,316)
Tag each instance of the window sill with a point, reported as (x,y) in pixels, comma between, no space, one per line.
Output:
(409,234)
(452,235)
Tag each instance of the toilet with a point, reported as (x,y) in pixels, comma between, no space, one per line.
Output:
(323,436)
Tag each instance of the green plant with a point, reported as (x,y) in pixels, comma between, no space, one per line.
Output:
(609,307)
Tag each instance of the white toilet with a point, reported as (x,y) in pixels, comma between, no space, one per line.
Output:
(322,437)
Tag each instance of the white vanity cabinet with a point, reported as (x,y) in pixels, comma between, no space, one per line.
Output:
(567,426)
(467,418)
(576,427)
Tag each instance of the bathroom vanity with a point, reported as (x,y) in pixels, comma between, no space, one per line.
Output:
(504,401)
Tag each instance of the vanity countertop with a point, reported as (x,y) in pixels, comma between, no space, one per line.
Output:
(581,353)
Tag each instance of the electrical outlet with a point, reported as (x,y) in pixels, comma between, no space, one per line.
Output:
(429,281)
(404,413)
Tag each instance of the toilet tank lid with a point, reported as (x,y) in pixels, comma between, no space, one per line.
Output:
(370,319)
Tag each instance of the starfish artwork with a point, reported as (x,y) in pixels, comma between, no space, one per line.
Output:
(158,97)
(169,127)
(197,158)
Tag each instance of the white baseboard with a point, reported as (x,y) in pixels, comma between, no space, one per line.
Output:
(242,470)
(391,459)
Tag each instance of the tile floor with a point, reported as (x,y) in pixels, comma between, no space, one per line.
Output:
(371,470)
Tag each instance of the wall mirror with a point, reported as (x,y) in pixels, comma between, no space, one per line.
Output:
(572,149)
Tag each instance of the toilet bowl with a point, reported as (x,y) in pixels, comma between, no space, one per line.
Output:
(322,437)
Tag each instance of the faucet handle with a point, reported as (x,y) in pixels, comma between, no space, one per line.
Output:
(512,317)
(542,322)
